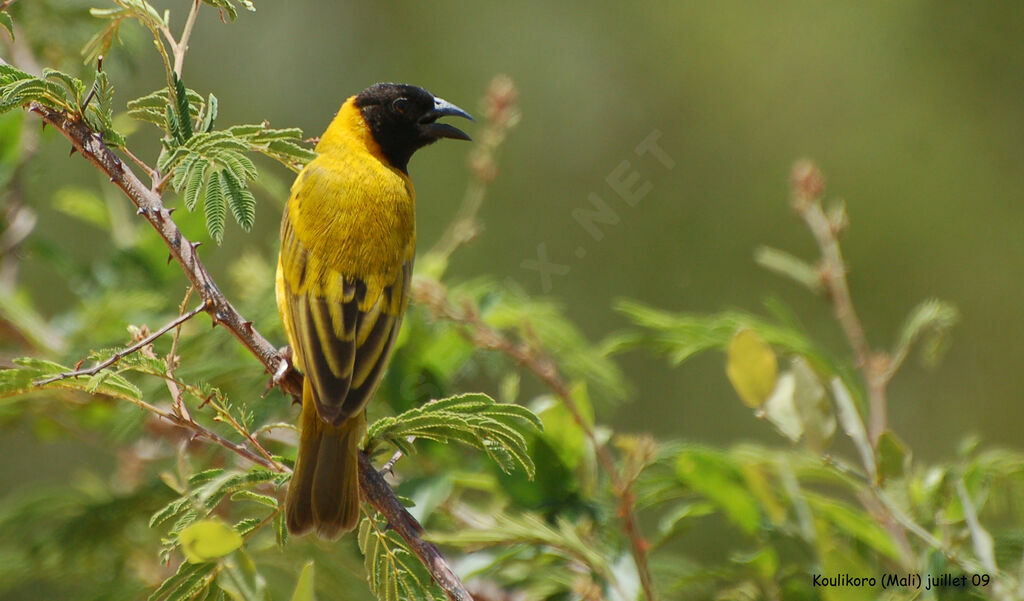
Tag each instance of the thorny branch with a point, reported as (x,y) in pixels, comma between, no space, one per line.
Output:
(434,297)
(375,489)
(95,369)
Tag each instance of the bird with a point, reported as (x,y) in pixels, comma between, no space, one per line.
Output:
(348,241)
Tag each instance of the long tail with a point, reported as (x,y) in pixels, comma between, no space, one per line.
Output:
(324,491)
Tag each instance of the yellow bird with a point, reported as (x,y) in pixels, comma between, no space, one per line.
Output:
(348,239)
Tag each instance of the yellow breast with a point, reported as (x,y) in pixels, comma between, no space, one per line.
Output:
(352,211)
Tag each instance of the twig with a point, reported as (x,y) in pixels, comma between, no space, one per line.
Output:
(124,352)
(375,489)
(808,185)
(433,296)
(181,46)
(153,174)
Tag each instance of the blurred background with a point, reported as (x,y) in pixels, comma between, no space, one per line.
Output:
(913,110)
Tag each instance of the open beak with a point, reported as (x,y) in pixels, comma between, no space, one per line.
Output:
(443,108)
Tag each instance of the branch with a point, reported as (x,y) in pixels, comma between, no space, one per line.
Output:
(808,186)
(181,46)
(376,491)
(124,352)
(90,145)
(433,296)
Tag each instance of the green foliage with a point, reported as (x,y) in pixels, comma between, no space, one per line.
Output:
(474,419)
(18,88)
(681,336)
(392,571)
(7,23)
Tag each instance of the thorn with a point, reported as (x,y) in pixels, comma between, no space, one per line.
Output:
(247,325)
(171,210)
(141,211)
(44,126)
(112,179)
(73,149)
(169,258)
(196,245)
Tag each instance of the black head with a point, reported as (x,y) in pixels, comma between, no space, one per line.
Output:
(403,119)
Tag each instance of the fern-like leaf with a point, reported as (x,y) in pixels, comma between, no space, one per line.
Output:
(213,204)
(196,178)
(392,571)
(182,109)
(498,429)
(186,583)
(241,200)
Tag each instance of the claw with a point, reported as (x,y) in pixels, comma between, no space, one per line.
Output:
(285,366)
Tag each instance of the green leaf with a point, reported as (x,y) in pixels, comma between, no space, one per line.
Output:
(248,495)
(573,540)
(241,580)
(21,380)
(789,266)
(562,432)
(929,322)
(207,540)
(238,164)
(196,178)
(685,335)
(75,87)
(18,88)
(186,582)
(892,456)
(853,522)
(241,201)
(100,43)
(392,571)
(475,419)
(209,114)
(213,205)
(182,109)
(716,476)
(7,22)
(304,588)
(280,530)
(752,367)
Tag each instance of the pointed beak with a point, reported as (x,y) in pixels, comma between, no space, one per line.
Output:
(443,108)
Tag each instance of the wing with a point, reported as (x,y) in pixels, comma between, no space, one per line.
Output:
(340,328)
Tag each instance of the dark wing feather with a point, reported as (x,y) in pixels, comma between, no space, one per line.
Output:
(342,350)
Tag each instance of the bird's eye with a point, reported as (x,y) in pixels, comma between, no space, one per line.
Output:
(400,105)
